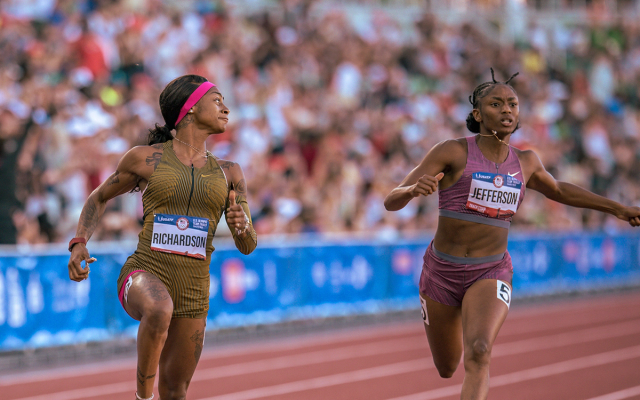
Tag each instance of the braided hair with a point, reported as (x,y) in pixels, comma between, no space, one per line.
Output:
(481,91)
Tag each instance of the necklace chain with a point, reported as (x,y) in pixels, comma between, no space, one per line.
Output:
(495,134)
(206,153)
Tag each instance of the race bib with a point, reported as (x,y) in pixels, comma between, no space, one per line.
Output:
(180,234)
(495,195)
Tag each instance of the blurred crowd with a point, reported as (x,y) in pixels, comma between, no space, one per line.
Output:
(331,106)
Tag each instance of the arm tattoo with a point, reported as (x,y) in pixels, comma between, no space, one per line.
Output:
(241,187)
(198,339)
(114,178)
(227,165)
(89,216)
(154,160)
(142,378)
(157,146)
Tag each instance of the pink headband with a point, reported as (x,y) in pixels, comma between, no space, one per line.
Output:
(193,99)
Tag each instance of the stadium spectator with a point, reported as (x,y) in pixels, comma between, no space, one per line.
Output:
(333,104)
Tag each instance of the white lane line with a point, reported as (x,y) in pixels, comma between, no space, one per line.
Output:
(535,373)
(263,347)
(351,352)
(213,354)
(596,304)
(313,340)
(83,393)
(567,338)
(619,395)
(331,380)
(514,327)
(318,357)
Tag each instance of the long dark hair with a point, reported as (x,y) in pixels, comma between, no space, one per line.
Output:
(172,98)
(482,90)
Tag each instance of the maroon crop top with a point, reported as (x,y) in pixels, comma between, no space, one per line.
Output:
(487,193)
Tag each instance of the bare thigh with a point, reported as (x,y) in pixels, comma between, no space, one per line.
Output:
(180,355)
(147,295)
(483,313)
(444,333)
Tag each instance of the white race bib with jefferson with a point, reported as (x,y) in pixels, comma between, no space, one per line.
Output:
(495,195)
(180,234)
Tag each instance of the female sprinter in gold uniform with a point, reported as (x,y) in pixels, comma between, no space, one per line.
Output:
(164,284)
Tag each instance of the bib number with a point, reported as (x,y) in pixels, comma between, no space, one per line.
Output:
(504,293)
(180,234)
(423,305)
(496,195)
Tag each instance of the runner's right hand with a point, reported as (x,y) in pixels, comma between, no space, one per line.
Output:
(79,253)
(426,185)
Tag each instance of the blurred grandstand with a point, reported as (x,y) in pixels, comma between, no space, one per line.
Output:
(332,103)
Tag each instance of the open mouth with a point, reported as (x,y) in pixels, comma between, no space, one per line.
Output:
(506,122)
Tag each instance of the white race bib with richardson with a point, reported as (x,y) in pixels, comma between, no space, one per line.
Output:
(180,234)
(495,195)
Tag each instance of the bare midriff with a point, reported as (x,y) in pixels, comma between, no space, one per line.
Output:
(469,239)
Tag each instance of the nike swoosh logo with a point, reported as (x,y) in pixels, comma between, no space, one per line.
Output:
(514,174)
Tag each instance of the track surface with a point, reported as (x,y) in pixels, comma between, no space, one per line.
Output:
(571,350)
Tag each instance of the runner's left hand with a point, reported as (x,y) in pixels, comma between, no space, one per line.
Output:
(236,218)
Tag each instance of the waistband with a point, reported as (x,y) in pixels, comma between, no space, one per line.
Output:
(467,260)
(474,218)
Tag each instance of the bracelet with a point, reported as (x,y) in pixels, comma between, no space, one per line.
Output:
(246,226)
(141,398)
(75,241)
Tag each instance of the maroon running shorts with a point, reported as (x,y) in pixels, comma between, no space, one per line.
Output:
(447,278)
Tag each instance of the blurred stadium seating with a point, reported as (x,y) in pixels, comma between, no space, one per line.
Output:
(332,103)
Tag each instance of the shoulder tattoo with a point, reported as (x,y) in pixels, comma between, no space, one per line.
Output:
(114,178)
(227,165)
(154,160)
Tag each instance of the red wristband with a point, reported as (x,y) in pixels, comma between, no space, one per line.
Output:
(75,241)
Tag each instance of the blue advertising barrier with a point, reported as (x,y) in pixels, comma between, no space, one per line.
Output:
(40,306)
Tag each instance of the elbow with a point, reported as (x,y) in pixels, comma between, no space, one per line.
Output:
(388,204)
(248,250)
(396,199)
(248,244)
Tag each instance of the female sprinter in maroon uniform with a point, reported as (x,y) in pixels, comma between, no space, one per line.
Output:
(465,286)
